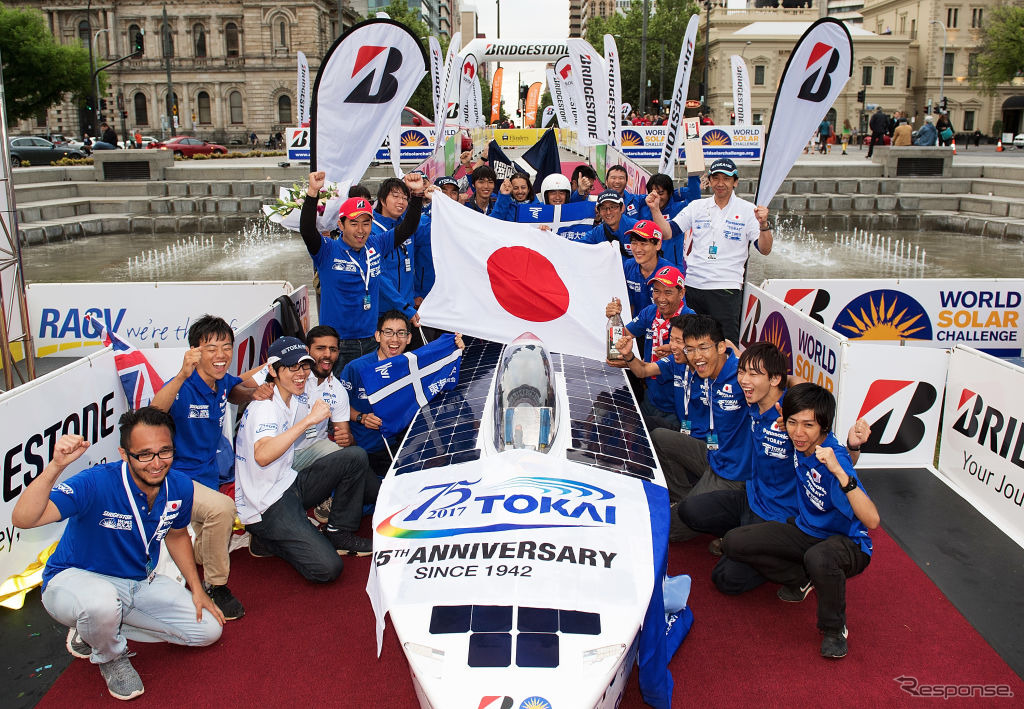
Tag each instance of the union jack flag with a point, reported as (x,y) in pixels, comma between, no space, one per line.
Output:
(139,379)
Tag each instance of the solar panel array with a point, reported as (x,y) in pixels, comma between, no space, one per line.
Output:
(606,430)
(536,632)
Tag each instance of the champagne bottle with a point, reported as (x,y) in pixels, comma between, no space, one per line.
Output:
(614,332)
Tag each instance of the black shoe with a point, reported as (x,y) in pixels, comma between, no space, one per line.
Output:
(257,548)
(230,606)
(349,543)
(833,645)
(795,594)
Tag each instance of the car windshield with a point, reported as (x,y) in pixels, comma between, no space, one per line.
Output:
(524,398)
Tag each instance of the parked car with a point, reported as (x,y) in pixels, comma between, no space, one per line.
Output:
(38,151)
(188,146)
(411,118)
(55,138)
(146,140)
(1018,142)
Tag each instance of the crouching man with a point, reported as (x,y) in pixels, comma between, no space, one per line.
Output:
(100,581)
(272,498)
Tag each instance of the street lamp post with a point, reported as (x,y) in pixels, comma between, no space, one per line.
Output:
(165,36)
(707,42)
(643,61)
(942,64)
(96,80)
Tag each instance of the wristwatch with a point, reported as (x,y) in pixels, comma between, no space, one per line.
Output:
(850,485)
(359,417)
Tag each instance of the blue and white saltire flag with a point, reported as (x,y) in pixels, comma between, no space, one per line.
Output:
(398,387)
(138,377)
(668,617)
(565,219)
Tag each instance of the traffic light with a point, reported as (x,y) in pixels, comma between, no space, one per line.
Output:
(137,46)
(945,104)
(861,96)
(523,90)
(89,104)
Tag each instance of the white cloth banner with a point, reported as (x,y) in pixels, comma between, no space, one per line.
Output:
(549,113)
(467,94)
(565,76)
(302,89)
(499,279)
(436,67)
(817,71)
(740,90)
(558,100)
(447,83)
(478,105)
(611,59)
(363,84)
(395,147)
(680,88)
(626,109)
(591,89)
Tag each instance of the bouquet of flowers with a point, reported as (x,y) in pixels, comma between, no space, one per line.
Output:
(289,203)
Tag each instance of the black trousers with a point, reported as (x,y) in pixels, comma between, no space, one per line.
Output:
(718,513)
(876,139)
(783,553)
(724,305)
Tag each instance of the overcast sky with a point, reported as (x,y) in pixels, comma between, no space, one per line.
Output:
(522,19)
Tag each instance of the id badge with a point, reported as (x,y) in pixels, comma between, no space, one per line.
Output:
(712,441)
(685,427)
(366,302)
(408,264)
(713,251)
(150,569)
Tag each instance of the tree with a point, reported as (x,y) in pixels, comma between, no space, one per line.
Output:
(666,27)
(37,70)
(1002,48)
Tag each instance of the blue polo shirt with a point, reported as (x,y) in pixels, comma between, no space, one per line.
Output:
(198,413)
(636,284)
(771,490)
(423,258)
(674,248)
(347,277)
(660,389)
(599,234)
(727,418)
(824,508)
(678,376)
(632,203)
(398,275)
(102,534)
(368,439)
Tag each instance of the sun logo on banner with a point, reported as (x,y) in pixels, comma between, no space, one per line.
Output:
(884,315)
(776,332)
(413,139)
(535,703)
(716,137)
(632,139)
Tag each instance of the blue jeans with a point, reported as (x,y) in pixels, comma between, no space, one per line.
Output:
(349,350)
(285,529)
(107,610)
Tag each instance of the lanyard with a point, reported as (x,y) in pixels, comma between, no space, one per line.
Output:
(687,381)
(364,274)
(135,510)
(709,389)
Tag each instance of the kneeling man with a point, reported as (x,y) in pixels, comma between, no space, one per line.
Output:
(101,580)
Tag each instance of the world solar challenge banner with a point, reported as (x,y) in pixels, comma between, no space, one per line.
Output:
(735,142)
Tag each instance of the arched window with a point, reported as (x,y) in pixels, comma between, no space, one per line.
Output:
(235,104)
(231,39)
(136,40)
(281,34)
(84,33)
(141,109)
(203,102)
(199,38)
(284,109)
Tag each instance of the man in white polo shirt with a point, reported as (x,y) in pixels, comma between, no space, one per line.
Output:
(723,228)
(272,497)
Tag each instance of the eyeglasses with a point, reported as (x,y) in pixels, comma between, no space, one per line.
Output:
(300,367)
(394,333)
(147,456)
(703,349)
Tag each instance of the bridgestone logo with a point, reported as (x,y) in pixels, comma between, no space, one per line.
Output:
(525,49)
(741,109)
(589,102)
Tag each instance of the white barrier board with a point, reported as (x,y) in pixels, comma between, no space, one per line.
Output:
(736,142)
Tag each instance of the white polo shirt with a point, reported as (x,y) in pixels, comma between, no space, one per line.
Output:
(332,393)
(721,239)
(257,487)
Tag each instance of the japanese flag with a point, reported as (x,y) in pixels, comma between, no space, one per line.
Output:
(497,280)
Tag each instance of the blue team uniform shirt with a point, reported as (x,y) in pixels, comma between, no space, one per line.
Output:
(771,490)
(343,283)
(660,389)
(102,535)
(600,233)
(824,508)
(637,286)
(673,249)
(727,418)
(398,275)
(632,203)
(368,439)
(675,375)
(198,413)
(423,257)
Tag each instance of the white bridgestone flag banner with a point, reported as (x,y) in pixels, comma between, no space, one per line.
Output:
(497,280)
(611,59)
(817,71)
(447,82)
(364,82)
(549,113)
(559,100)
(591,89)
(740,90)
(680,87)
(302,89)
(436,82)
(467,92)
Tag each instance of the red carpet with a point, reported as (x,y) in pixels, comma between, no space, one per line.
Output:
(304,645)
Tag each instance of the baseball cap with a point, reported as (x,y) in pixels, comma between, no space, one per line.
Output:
(445,180)
(288,351)
(723,166)
(609,196)
(646,229)
(354,206)
(669,276)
